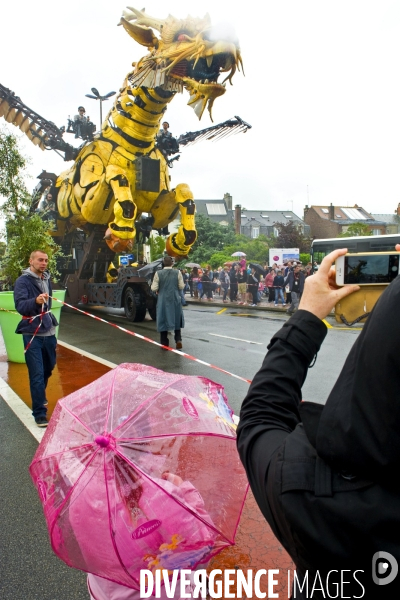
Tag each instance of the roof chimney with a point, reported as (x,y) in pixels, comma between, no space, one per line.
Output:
(306,209)
(397,211)
(228,201)
(238,218)
(332,212)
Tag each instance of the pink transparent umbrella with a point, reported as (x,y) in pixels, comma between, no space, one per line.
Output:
(139,470)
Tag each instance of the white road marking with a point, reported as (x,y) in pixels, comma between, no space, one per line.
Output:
(237,339)
(21,410)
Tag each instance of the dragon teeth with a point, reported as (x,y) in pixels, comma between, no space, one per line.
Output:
(209,60)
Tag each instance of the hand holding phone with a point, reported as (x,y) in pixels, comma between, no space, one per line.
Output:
(369,268)
(320,290)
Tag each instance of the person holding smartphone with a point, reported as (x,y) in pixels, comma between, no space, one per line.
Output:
(325,476)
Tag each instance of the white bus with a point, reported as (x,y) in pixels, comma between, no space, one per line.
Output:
(363,243)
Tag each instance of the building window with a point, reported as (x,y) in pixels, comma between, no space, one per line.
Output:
(376,232)
(216,209)
(354,214)
(255,232)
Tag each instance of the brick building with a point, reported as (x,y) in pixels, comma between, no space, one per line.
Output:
(392,221)
(330,221)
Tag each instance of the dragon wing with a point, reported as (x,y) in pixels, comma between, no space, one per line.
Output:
(215,132)
(42,133)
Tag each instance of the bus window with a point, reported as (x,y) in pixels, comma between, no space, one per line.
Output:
(374,243)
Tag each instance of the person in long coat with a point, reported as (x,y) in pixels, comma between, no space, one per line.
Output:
(167,283)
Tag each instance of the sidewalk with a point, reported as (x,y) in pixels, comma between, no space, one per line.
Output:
(35,567)
(217,301)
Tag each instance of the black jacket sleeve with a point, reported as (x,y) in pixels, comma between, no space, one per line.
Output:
(270,410)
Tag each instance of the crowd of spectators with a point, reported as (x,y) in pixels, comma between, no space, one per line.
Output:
(242,284)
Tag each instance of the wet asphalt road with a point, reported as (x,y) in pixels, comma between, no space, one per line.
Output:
(29,570)
(234,339)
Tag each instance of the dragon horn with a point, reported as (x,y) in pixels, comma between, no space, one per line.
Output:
(207,20)
(143,19)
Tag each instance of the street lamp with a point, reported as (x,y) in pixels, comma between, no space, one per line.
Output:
(97,96)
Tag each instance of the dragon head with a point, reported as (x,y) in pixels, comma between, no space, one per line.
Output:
(188,54)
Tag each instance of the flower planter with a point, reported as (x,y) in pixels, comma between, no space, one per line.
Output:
(9,321)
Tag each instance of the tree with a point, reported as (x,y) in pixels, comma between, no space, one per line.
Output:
(219,259)
(211,238)
(256,250)
(24,231)
(356,229)
(291,236)
(305,258)
(157,247)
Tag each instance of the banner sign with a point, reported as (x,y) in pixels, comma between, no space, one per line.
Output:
(282,255)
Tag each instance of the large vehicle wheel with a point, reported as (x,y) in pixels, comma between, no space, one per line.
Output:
(130,304)
(153,312)
(140,313)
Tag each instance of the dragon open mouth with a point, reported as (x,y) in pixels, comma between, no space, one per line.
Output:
(200,78)
(205,69)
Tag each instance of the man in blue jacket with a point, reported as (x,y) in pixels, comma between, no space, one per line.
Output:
(32,298)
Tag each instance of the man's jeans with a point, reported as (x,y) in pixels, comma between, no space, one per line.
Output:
(295,302)
(279,294)
(40,359)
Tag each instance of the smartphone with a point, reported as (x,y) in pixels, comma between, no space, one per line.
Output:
(369,268)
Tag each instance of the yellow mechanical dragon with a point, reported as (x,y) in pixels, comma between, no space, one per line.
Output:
(107,185)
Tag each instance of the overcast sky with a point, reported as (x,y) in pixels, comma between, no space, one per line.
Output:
(321,90)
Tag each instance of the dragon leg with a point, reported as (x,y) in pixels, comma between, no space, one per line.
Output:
(121,231)
(178,244)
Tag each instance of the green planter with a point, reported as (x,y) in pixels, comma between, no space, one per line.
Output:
(9,321)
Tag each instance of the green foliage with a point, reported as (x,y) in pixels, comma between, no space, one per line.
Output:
(157,247)
(304,258)
(256,250)
(24,235)
(218,259)
(356,229)
(211,238)
(291,236)
(216,243)
(12,167)
(24,231)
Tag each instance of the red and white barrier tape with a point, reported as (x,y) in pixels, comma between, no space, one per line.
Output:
(146,339)
(41,315)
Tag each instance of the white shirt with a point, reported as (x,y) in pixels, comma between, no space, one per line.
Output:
(156,282)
